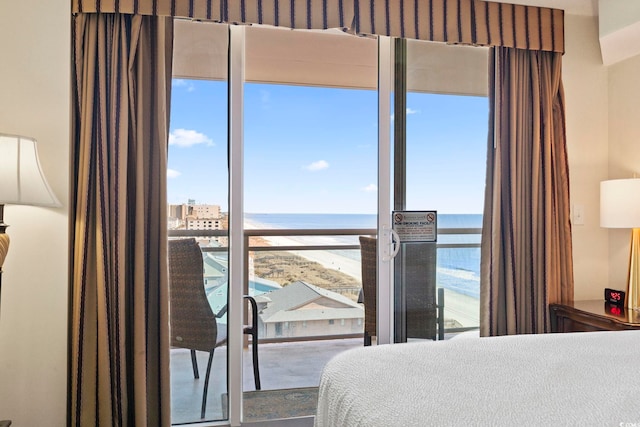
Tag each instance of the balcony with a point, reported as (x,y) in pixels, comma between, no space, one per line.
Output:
(293,352)
(304,363)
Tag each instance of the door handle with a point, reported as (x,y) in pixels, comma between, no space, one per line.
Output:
(394,243)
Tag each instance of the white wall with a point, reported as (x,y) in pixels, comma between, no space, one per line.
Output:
(624,152)
(617,14)
(585,84)
(603,131)
(619,22)
(34,101)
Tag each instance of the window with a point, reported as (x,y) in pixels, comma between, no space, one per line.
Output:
(446,144)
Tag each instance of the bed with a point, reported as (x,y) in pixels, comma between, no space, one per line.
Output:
(586,379)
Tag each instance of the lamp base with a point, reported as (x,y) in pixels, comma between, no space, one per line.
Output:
(4,237)
(4,244)
(633,290)
(4,248)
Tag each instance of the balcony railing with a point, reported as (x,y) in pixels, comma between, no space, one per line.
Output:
(316,232)
(293,233)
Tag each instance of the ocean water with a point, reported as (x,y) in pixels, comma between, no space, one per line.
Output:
(458,269)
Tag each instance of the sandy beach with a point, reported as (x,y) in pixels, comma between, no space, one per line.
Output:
(462,308)
(327,259)
(459,307)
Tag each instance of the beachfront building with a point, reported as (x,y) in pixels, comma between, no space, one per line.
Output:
(203,217)
(304,310)
(206,211)
(179,211)
(176,215)
(195,217)
(173,223)
(204,223)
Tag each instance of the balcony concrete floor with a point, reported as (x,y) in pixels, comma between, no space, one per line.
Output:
(282,365)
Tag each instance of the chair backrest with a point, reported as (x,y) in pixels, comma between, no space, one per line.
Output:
(368,255)
(192,322)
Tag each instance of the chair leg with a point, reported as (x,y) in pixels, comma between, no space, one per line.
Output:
(256,368)
(367,339)
(206,385)
(440,305)
(194,364)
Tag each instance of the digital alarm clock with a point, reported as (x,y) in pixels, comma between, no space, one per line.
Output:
(614,297)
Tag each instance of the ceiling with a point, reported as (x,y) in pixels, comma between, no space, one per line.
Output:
(281,56)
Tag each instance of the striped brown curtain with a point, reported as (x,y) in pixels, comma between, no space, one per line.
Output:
(299,14)
(119,355)
(526,255)
(474,22)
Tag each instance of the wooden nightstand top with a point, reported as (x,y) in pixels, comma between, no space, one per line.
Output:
(597,314)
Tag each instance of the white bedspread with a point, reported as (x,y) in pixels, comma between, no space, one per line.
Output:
(579,379)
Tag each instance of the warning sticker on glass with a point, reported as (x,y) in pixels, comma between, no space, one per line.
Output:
(416,226)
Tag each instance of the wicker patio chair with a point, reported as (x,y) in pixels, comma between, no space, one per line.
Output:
(192,322)
(426,319)
(368,257)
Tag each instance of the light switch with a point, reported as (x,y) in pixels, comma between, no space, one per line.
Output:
(578,214)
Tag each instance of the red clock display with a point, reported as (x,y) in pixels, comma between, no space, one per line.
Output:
(614,297)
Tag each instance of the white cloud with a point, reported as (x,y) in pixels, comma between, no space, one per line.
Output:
(172,173)
(317,166)
(410,111)
(188,138)
(370,188)
(265,100)
(183,83)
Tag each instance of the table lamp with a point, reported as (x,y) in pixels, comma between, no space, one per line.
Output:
(21,182)
(620,208)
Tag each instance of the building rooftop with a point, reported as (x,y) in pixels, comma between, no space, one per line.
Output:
(302,301)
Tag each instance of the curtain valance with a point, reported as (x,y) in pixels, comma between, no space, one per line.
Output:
(474,22)
(299,14)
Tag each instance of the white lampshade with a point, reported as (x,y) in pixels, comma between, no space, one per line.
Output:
(620,203)
(21,179)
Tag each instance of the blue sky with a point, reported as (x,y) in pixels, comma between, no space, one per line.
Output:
(314,150)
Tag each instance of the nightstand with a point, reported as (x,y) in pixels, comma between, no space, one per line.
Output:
(592,315)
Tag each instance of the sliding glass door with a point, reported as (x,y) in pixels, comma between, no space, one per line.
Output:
(309,191)
(286,147)
(440,140)
(198,208)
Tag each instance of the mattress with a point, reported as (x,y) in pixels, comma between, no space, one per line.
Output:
(586,379)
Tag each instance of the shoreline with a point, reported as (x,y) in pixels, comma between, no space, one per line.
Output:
(327,259)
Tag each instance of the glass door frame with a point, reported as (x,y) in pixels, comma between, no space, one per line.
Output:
(236,220)
(385,270)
